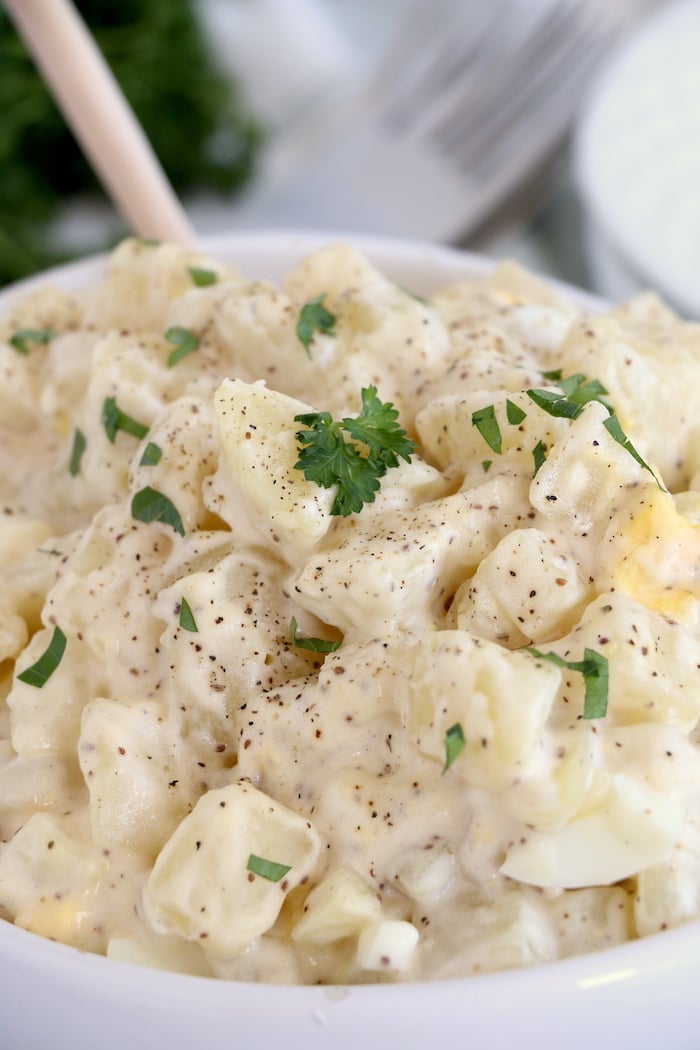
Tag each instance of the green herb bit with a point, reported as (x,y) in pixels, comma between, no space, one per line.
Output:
(313,645)
(484,419)
(187,620)
(414,295)
(575,393)
(594,668)
(314,317)
(486,465)
(202,278)
(76,456)
(21,339)
(328,459)
(555,404)
(149,505)
(538,455)
(151,455)
(148,242)
(454,745)
(514,413)
(613,427)
(184,342)
(113,420)
(554,375)
(40,672)
(267,869)
(581,391)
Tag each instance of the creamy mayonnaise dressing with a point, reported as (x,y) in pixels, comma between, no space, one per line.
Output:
(183,785)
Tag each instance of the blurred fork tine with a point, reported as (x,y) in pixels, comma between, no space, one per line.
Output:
(541,103)
(471,98)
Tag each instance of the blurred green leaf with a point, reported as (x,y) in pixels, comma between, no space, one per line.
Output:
(191,112)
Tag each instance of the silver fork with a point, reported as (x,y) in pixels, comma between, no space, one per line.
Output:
(471,98)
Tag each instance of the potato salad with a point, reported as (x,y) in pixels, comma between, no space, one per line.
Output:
(346,636)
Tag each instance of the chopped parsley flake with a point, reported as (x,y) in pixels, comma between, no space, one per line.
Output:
(576,392)
(150,505)
(594,668)
(514,413)
(314,317)
(184,342)
(327,458)
(538,455)
(486,465)
(313,645)
(202,278)
(555,403)
(77,450)
(21,339)
(151,455)
(40,672)
(113,420)
(267,869)
(613,427)
(484,419)
(187,620)
(454,744)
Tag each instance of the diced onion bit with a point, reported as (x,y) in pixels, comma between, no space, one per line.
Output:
(149,505)
(40,672)
(267,869)
(184,342)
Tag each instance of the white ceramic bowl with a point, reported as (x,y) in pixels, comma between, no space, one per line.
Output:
(637,161)
(642,995)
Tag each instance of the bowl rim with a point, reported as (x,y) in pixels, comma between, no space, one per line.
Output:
(608,977)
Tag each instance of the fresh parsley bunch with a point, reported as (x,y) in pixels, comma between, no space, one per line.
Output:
(377,442)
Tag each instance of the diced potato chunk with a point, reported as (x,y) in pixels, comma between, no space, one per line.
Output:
(205,884)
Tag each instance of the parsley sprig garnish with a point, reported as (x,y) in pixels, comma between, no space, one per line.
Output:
(327,457)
